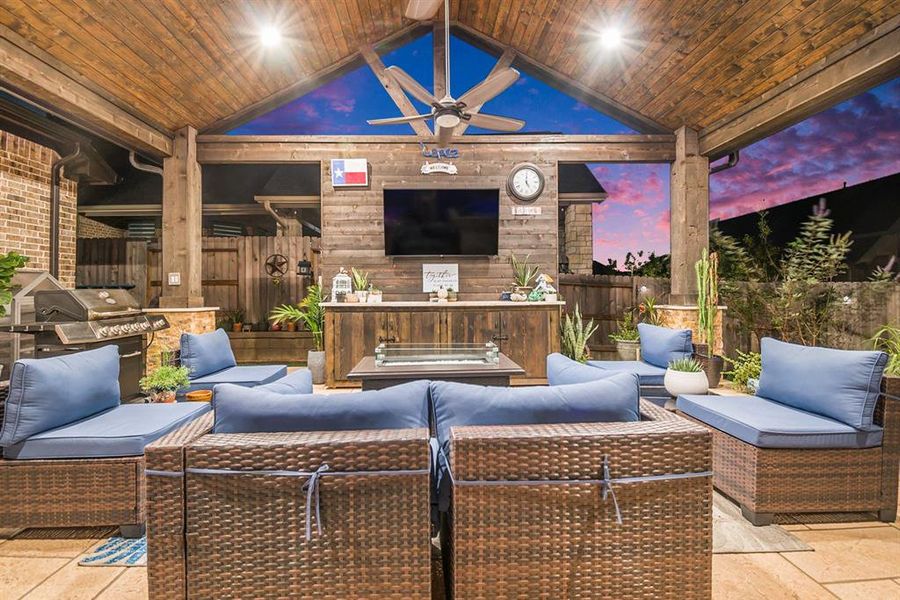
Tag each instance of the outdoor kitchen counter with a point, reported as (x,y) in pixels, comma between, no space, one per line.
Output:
(525,331)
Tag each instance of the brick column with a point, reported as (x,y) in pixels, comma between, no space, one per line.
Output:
(689,227)
(182,223)
(579,238)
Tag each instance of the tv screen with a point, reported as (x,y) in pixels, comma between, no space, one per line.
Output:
(460,222)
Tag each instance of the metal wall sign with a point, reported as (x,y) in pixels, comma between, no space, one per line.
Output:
(438,152)
(447,168)
(349,172)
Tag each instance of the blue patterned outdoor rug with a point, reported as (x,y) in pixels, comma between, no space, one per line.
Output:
(118,552)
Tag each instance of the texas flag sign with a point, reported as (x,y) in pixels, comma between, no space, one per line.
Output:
(349,172)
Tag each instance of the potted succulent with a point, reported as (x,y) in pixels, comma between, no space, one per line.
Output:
(523,275)
(452,295)
(627,339)
(375,295)
(164,381)
(574,335)
(707,269)
(360,283)
(233,319)
(312,315)
(685,376)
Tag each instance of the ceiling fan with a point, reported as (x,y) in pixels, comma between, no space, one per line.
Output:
(449,112)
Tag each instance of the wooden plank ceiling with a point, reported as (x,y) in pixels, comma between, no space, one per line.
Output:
(196,62)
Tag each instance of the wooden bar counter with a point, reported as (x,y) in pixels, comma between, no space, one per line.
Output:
(525,331)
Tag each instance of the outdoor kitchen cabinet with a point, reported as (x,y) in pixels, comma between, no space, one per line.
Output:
(526,332)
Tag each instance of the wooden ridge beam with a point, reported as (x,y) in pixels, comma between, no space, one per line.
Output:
(870,60)
(506,59)
(394,90)
(578,90)
(28,77)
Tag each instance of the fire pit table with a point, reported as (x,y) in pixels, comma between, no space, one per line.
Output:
(395,363)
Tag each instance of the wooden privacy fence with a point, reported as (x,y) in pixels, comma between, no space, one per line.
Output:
(604,298)
(234,273)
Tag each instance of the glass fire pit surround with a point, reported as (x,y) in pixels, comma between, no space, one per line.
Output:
(404,355)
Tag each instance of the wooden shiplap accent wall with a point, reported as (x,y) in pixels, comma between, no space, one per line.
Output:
(353,219)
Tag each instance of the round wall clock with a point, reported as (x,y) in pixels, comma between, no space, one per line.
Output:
(526,182)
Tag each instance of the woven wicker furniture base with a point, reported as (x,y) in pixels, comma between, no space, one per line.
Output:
(245,534)
(765,481)
(553,540)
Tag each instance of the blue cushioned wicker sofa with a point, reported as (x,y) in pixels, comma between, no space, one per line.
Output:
(659,347)
(210,360)
(819,436)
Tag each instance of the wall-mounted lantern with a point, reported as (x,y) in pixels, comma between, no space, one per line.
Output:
(304,268)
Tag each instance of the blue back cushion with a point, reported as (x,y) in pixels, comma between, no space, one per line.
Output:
(615,398)
(206,353)
(841,384)
(45,393)
(250,410)
(562,370)
(661,345)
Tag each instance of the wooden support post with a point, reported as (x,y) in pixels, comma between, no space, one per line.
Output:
(440,54)
(182,224)
(504,62)
(689,204)
(393,89)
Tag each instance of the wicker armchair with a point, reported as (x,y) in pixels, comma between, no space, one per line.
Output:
(770,481)
(290,527)
(533,517)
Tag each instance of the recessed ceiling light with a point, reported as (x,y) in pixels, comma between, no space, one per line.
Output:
(269,36)
(610,37)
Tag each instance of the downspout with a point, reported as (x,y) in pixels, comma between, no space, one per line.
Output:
(278,218)
(55,172)
(132,158)
(733,159)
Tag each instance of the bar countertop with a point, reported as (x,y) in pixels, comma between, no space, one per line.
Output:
(427,304)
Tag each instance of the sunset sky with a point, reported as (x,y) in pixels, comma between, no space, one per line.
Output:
(855,141)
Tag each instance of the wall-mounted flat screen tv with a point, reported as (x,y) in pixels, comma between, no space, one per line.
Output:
(441,222)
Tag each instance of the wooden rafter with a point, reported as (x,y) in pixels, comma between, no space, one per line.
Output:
(870,60)
(394,91)
(622,113)
(440,53)
(28,77)
(506,59)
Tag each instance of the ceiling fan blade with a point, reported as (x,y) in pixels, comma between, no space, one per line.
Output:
(490,87)
(422,10)
(496,123)
(445,134)
(412,86)
(398,120)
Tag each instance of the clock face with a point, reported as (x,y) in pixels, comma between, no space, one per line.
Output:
(526,183)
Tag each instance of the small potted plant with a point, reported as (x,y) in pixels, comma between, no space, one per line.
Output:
(360,283)
(452,295)
(745,371)
(685,376)
(574,336)
(164,381)
(627,339)
(523,275)
(375,295)
(284,316)
(233,319)
(887,339)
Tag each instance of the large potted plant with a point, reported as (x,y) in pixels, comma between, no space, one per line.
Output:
(312,315)
(887,339)
(575,335)
(163,382)
(685,376)
(626,338)
(707,270)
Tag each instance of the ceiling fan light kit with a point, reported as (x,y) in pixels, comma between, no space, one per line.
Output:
(448,112)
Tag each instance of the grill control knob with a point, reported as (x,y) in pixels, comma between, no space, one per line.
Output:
(103,331)
(145,326)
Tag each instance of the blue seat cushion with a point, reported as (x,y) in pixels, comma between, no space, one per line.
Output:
(295,382)
(206,353)
(122,431)
(249,410)
(611,399)
(662,345)
(562,370)
(767,424)
(647,373)
(246,375)
(45,393)
(840,384)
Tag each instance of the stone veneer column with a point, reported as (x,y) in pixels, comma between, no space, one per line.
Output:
(689,225)
(181,320)
(579,238)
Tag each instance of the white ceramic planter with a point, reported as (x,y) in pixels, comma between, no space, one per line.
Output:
(682,382)
(362,295)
